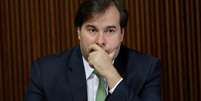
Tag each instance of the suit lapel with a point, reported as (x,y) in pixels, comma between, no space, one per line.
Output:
(76,75)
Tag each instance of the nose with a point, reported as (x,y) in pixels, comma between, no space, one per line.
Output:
(101,40)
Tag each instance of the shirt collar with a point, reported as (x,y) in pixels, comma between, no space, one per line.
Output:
(88,69)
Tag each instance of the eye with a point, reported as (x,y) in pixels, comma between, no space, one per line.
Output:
(110,30)
(91,30)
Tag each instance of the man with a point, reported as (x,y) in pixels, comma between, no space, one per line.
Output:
(100,68)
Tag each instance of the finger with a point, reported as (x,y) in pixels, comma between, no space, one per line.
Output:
(90,59)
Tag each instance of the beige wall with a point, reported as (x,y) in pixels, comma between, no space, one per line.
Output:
(168,29)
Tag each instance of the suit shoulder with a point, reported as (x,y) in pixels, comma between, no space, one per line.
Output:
(142,64)
(57,58)
(141,57)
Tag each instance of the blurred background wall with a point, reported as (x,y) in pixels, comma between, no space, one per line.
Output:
(167,29)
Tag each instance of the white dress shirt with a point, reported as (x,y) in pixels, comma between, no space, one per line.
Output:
(93,81)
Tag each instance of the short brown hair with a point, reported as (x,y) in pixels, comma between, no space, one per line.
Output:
(88,8)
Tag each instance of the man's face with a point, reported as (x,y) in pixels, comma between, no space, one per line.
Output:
(104,30)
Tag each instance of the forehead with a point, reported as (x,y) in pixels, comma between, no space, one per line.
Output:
(110,17)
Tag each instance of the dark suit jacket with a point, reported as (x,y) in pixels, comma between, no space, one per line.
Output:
(61,77)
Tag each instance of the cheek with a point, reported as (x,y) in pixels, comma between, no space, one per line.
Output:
(86,39)
(85,42)
(115,42)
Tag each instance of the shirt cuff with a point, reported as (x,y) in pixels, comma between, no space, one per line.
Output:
(112,90)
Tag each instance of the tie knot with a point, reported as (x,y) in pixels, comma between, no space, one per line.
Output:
(96,73)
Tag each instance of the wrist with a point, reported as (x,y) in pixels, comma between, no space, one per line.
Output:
(112,78)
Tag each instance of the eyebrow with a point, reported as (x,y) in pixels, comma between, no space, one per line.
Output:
(90,26)
(110,26)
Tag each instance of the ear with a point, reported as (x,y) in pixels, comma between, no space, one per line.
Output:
(78,32)
(122,34)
